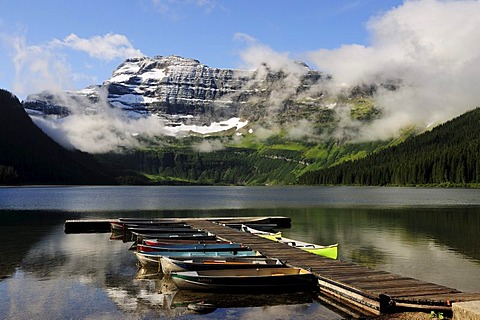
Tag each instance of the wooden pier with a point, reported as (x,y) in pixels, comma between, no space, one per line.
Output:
(354,289)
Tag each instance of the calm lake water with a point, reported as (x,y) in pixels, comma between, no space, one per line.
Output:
(428,234)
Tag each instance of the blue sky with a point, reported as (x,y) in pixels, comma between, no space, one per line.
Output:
(71,44)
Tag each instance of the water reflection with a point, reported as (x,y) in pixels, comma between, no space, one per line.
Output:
(45,272)
(438,245)
(90,276)
(160,294)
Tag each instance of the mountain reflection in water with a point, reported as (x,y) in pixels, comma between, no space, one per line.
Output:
(431,235)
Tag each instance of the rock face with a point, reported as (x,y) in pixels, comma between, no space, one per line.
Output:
(185,92)
(176,87)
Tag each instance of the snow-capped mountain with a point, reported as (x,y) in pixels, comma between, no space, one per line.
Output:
(175,86)
(187,94)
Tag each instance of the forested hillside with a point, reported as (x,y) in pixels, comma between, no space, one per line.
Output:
(28,156)
(231,166)
(276,161)
(449,155)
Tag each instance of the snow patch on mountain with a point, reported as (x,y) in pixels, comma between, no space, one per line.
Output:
(214,127)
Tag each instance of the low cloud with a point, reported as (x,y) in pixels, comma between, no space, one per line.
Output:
(208,146)
(264,60)
(430,48)
(301,130)
(98,128)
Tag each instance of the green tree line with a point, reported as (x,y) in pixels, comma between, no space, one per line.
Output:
(447,155)
(231,166)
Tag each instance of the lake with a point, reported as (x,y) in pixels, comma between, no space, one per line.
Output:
(425,233)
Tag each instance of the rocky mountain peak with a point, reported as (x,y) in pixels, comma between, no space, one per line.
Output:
(185,92)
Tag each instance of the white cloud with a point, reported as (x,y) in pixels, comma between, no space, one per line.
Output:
(37,67)
(46,66)
(208,146)
(431,47)
(257,54)
(106,47)
(243,37)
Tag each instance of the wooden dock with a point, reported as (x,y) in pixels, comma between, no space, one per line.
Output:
(354,289)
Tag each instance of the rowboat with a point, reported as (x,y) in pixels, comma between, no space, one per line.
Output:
(328,251)
(120,224)
(193,247)
(152,260)
(123,229)
(246,280)
(149,220)
(138,237)
(171,264)
(161,229)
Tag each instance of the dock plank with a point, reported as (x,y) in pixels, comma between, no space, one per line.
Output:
(362,288)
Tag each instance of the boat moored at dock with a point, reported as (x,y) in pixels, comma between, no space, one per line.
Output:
(252,280)
(175,264)
(328,251)
(152,260)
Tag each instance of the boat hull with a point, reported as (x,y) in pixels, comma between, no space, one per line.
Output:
(247,280)
(160,242)
(171,264)
(193,247)
(152,260)
(326,251)
(329,251)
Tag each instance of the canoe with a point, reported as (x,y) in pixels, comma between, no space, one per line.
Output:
(160,242)
(152,260)
(193,247)
(171,264)
(247,280)
(257,226)
(264,234)
(328,251)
